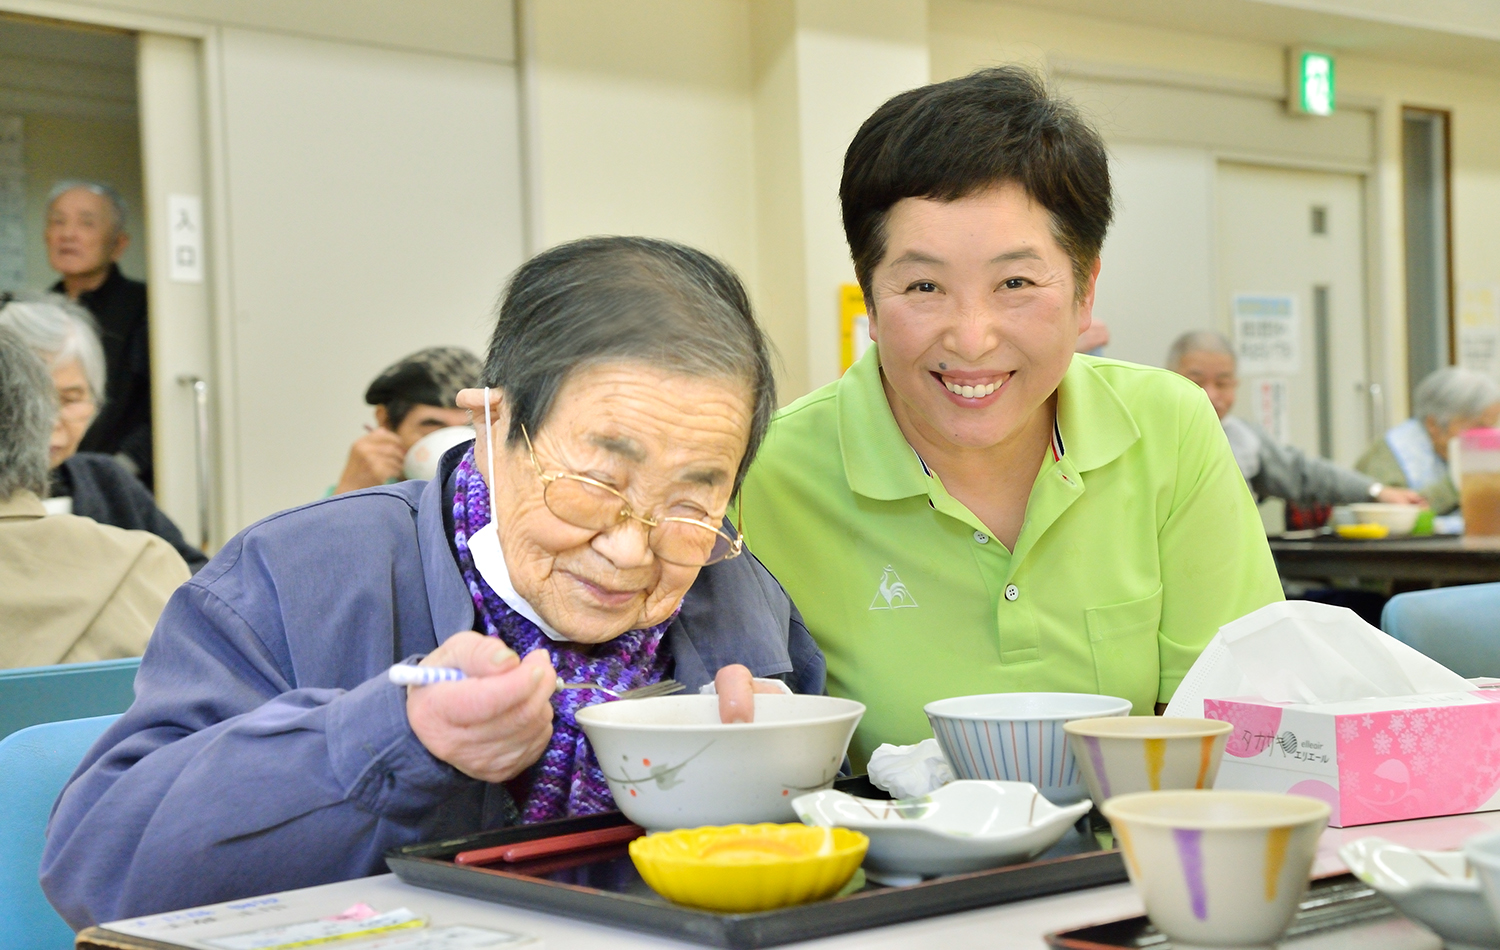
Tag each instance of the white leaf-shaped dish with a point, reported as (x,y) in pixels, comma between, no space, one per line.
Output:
(963,826)
(1435,888)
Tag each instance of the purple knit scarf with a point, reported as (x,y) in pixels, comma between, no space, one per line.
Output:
(566,781)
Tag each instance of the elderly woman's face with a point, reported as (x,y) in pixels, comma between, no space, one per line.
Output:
(975,315)
(75,410)
(1441,435)
(669,443)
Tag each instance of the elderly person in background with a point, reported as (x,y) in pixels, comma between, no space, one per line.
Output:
(71,590)
(973,508)
(1414,454)
(85,237)
(1272,470)
(628,387)
(87,484)
(413,398)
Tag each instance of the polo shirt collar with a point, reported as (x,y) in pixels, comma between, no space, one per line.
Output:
(1096,429)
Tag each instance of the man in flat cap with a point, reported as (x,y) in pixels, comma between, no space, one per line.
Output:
(412,398)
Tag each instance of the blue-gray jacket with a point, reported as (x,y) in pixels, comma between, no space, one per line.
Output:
(266,750)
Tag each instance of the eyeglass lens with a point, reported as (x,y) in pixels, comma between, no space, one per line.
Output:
(589,506)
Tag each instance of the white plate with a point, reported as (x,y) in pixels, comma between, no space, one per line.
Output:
(1436,888)
(963,826)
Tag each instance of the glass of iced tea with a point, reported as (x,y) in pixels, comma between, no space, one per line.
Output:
(1479,485)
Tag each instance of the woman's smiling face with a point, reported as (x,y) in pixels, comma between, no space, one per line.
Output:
(975,314)
(669,443)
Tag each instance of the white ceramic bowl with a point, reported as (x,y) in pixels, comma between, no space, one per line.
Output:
(1124,754)
(1435,888)
(671,763)
(1018,737)
(423,457)
(963,826)
(1218,869)
(1483,854)
(1399,518)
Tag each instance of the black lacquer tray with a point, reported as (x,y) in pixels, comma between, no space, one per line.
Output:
(603,887)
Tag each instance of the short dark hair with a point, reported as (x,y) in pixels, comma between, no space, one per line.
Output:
(953,139)
(603,299)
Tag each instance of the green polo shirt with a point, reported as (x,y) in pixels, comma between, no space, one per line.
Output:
(1139,542)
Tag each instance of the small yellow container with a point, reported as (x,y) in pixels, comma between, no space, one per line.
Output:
(1363,532)
(746,868)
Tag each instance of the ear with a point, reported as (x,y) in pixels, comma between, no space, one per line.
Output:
(382,417)
(122,241)
(870,315)
(1086,304)
(472,400)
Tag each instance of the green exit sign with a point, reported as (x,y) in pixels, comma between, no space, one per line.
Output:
(1310,85)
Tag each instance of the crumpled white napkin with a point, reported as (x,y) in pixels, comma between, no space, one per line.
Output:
(910,771)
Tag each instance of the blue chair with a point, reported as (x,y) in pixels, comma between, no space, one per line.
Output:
(36,763)
(38,694)
(1457,626)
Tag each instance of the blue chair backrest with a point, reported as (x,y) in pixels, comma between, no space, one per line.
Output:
(35,764)
(1457,626)
(71,691)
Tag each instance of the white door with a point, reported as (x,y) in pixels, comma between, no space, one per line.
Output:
(169,78)
(1291,290)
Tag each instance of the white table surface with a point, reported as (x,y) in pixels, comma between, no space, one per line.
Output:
(1020,925)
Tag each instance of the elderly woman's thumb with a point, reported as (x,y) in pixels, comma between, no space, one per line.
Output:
(475,654)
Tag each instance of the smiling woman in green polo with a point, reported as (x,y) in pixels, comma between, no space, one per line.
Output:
(972,508)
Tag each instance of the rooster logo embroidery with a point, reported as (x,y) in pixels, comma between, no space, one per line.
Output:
(892,593)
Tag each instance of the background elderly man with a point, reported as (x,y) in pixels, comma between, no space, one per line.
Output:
(71,590)
(1273,470)
(412,398)
(85,236)
(87,484)
(1415,453)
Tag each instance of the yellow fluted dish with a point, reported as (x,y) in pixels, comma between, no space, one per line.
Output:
(746,868)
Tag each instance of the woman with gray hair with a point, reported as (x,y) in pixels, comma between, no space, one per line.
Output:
(581,537)
(1415,453)
(71,590)
(88,484)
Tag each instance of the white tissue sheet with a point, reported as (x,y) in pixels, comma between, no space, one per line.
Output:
(1299,651)
(910,771)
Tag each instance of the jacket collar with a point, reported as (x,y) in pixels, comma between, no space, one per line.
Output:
(447,595)
(24,505)
(879,463)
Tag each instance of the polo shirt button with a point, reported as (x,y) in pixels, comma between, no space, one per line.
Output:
(1011,593)
(981,537)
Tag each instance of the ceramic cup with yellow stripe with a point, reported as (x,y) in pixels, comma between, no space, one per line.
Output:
(1122,755)
(1218,868)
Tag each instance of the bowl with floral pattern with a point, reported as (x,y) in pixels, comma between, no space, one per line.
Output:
(967,825)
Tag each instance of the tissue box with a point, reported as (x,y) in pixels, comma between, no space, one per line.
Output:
(1371,760)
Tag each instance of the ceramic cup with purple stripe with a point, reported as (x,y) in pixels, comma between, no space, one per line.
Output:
(1147,753)
(1018,737)
(1218,868)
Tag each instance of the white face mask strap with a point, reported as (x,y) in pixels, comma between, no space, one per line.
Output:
(489,451)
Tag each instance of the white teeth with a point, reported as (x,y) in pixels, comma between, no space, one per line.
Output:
(971,392)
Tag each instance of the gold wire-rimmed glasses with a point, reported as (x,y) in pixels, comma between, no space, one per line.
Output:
(586,502)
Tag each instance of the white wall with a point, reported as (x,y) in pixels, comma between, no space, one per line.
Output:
(374,209)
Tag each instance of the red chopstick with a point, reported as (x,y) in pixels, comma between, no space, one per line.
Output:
(546,847)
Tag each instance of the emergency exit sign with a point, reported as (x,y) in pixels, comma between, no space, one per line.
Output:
(1310,85)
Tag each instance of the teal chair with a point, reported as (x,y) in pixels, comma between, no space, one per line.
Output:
(1457,626)
(35,763)
(38,694)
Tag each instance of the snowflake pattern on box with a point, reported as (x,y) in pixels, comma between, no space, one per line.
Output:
(1415,763)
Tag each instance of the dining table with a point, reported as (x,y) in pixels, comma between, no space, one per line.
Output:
(1016,926)
(1435,559)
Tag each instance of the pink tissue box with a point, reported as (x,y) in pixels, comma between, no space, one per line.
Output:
(1371,760)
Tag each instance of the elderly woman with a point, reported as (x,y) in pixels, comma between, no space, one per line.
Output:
(972,508)
(1414,454)
(582,535)
(87,484)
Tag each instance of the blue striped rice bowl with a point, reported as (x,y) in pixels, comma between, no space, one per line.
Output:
(1018,737)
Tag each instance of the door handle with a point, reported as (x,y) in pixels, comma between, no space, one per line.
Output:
(1374,395)
(200,426)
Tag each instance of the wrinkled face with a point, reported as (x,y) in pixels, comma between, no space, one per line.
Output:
(425,420)
(75,410)
(671,444)
(975,315)
(1215,372)
(82,235)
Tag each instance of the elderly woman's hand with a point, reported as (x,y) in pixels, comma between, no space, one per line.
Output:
(737,689)
(494,724)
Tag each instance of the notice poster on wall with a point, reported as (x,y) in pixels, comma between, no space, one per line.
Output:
(1271,408)
(1479,328)
(1266,334)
